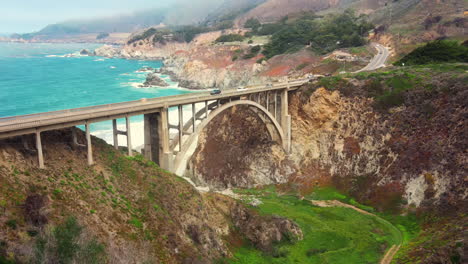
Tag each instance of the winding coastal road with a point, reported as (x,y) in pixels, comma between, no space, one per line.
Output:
(379,59)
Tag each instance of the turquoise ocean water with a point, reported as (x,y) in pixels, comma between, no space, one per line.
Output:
(39,77)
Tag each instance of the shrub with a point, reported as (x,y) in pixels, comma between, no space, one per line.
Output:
(12,224)
(102,35)
(230,38)
(248,56)
(255,49)
(261,60)
(436,52)
(253,24)
(146,34)
(301,66)
(66,243)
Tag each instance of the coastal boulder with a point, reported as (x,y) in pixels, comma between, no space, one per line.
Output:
(85,52)
(107,51)
(153,80)
(264,232)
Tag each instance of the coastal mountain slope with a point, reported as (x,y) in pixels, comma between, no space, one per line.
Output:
(273,10)
(121,210)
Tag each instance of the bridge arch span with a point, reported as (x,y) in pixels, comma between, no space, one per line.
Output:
(189,146)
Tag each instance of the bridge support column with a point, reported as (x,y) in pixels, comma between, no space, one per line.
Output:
(129,137)
(267,101)
(115,133)
(40,157)
(194,118)
(151,137)
(88,144)
(165,156)
(157,139)
(285,120)
(275,108)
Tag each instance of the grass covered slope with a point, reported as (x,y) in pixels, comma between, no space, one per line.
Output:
(331,234)
(126,210)
(439,51)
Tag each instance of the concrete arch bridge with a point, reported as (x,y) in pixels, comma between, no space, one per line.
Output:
(169,145)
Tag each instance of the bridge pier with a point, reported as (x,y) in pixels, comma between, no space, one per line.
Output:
(285,121)
(88,144)
(115,133)
(129,136)
(40,157)
(157,139)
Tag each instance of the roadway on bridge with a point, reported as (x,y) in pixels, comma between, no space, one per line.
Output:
(131,108)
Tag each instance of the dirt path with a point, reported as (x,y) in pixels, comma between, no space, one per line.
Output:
(388,257)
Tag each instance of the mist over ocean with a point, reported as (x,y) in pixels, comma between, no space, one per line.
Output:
(39,77)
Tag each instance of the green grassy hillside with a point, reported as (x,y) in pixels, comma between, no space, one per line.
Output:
(331,234)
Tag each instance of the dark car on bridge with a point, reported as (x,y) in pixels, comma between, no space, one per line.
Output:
(215,92)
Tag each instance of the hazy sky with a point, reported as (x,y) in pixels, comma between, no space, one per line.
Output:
(22,16)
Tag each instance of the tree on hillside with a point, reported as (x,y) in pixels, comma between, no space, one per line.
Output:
(230,38)
(322,34)
(253,24)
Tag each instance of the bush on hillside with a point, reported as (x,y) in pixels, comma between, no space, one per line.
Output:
(322,34)
(188,33)
(438,51)
(67,243)
(230,38)
(146,34)
(269,29)
(102,35)
(253,24)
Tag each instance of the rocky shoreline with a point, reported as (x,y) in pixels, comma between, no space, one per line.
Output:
(193,67)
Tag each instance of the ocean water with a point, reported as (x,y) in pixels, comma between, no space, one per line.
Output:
(42,77)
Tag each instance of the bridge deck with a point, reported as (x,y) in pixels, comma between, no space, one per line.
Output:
(25,124)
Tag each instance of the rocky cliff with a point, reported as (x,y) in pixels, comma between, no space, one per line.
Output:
(394,150)
(213,66)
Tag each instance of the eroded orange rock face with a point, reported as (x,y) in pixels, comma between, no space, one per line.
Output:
(342,138)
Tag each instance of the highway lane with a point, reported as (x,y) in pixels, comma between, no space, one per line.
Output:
(378,61)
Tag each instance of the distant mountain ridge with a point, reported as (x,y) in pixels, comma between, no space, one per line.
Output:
(183,12)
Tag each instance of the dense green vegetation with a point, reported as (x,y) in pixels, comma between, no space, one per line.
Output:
(66,243)
(389,87)
(230,38)
(179,34)
(321,34)
(146,34)
(102,35)
(331,234)
(253,24)
(438,51)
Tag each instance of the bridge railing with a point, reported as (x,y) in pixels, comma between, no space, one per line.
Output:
(130,105)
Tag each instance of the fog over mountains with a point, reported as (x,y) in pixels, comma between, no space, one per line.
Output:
(181,12)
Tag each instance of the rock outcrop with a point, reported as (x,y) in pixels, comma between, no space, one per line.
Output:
(402,157)
(108,51)
(212,66)
(264,232)
(85,52)
(236,150)
(154,80)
